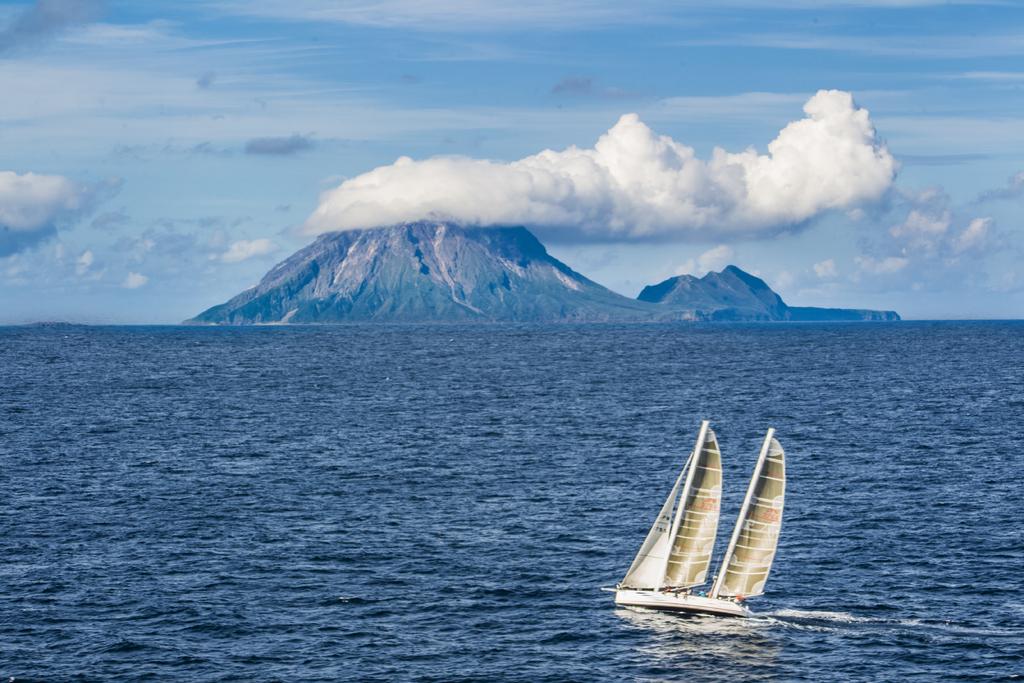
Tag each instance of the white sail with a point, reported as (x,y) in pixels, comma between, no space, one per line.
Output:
(696,524)
(751,550)
(649,564)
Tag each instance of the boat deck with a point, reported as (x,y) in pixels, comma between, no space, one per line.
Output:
(680,602)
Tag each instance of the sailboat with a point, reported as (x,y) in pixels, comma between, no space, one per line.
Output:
(674,558)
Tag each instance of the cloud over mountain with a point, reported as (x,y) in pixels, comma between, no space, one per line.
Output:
(636,184)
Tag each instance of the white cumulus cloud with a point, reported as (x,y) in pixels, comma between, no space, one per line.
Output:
(247,249)
(636,184)
(922,230)
(31,204)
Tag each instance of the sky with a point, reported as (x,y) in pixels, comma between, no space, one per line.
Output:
(157,158)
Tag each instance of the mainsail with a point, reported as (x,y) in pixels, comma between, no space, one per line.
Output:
(696,521)
(751,550)
(677,549)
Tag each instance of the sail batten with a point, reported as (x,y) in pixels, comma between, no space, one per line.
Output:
(693,537)
(748,559)
(677,549)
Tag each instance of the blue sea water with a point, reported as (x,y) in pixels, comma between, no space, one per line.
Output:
(444,502)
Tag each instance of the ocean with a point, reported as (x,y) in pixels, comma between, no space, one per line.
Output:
(444,502)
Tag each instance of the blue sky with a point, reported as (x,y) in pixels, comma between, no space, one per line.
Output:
(157,158)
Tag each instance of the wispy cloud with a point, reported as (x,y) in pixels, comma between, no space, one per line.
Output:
(205,147)
(44,19)
(243,250)
(584,86)
(987,133)
(206,80)
(745,105)
(170,148)
(110,220)
(151,37)
(1003,76)
(451,15)
(134,280)
(826,270)
(935,46)
(713,259)
(974,236)
(132,107)
(283,146)
(881,266)
(454,15)
(84,262)
(573,85)
(1013,189)
(941,159)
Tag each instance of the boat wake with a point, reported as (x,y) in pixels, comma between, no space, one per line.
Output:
(827,620)
(831,620)
(817,615)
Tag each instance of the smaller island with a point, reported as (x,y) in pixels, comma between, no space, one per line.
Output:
(735,295)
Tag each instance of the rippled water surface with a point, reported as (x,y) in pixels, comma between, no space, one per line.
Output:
(444,503)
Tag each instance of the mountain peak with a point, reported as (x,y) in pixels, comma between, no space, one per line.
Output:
(732,293)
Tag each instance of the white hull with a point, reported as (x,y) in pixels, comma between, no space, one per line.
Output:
(683,602)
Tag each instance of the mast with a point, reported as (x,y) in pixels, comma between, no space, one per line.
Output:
(694,461)
(641,573)
(743,513)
